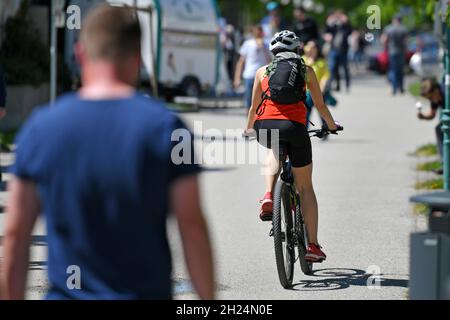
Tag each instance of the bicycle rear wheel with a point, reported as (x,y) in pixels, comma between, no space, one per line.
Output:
(283,234)
(306,266)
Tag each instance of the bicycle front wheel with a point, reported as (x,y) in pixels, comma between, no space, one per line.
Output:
(283,234)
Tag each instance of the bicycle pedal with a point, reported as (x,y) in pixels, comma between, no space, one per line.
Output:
(271,233)
(316,261)
(266,216)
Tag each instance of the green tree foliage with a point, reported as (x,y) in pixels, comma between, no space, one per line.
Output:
(420,14)
(421,10)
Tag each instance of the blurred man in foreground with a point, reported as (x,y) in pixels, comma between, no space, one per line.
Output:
(101,161)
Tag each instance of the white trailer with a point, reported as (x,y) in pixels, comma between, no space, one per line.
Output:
(180,42)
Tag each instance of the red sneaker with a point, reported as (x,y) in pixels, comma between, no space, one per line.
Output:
(266,211)
(314,253)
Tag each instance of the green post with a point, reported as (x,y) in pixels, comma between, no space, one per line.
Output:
(446,112)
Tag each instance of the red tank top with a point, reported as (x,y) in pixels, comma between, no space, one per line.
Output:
(272,111)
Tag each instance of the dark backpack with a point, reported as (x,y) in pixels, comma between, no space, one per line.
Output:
(286,82)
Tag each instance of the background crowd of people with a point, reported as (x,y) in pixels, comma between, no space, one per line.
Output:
(326,48)
(329,49)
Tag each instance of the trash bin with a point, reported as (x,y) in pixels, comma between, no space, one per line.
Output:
(439,210)
(430,251)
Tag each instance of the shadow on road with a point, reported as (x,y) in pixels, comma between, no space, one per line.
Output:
(342,278)
(37,265)
(218,169)
(39,240)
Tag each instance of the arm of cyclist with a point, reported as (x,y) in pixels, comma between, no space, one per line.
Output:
(185,203)
(256,99)
(317,97)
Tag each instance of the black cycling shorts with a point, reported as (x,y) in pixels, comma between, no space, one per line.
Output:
(294,138)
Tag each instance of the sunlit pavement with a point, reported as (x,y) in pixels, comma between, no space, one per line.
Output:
(363,179)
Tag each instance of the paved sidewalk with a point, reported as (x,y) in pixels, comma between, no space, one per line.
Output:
(363,180)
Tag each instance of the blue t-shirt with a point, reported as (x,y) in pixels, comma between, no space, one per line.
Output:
(103,171)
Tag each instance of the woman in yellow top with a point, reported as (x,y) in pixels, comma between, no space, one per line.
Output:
(314,58)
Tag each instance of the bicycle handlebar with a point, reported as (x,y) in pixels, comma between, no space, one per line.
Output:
(320,133)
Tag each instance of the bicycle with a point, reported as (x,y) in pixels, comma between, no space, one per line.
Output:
(288,225)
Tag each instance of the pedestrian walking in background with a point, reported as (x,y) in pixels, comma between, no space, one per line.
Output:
(273,22)
(254,54)
(358,46)
(304,26)
(395,38)
(101,159)
(229,47)
(337,32)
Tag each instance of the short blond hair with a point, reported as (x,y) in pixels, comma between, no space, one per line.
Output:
(111,33)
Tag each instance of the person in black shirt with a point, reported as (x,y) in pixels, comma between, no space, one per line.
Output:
(337,31)
(304,27)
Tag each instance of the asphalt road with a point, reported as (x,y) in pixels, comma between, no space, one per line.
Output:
(363,179)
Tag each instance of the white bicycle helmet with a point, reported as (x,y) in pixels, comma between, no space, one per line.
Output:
(285,40)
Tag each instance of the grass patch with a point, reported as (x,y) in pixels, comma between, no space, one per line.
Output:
(426,150)
(429,166)
(7,139)
(420,209)
(181,107)
(433,184)
(414,89)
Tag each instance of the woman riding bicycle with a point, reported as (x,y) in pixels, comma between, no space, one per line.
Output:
(289,120)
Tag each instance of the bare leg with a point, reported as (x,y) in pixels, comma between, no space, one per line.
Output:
(272,171)
(303,181)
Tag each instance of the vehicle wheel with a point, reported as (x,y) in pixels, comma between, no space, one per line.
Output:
(307,267)
(190,87)
(283,234)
